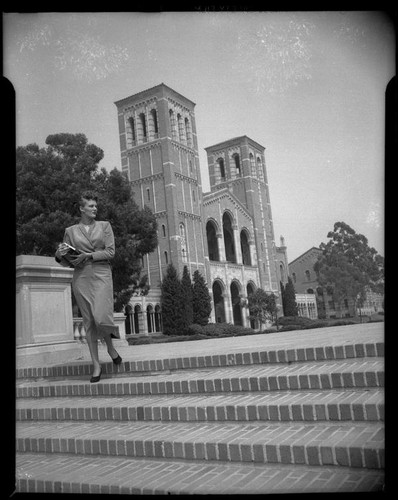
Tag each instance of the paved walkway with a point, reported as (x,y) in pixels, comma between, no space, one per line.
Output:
(331,336)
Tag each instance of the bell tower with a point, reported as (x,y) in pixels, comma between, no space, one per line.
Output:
(159,154)
(238,164)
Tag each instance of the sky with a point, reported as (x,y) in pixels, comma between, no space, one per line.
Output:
(308,86)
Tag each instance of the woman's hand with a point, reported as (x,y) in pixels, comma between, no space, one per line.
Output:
(81,259)
(62,249)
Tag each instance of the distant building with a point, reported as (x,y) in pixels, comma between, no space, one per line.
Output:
(227,234)
(305,282)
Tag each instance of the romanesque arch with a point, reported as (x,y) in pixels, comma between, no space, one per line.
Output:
(212,243)
(218,300)
(236,306)
(245,248)
(230,253)
(250,289)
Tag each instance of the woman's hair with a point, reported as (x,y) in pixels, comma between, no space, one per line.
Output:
(87,195)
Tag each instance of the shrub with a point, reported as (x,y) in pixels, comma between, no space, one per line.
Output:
(294,320)
(342,322)
(289,328)
(317,324)
(219,330)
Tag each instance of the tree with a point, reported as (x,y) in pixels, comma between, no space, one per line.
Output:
(348,267)
(172,300)
(49,182)
(186,286)
(201,300)
(289,299)
(262,306)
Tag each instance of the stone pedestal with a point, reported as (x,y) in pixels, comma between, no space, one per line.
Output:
(44,322)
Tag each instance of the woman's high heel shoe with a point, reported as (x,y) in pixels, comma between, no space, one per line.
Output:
(97,378)
(117,360)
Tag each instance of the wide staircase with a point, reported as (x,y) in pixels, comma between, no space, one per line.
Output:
(277,420)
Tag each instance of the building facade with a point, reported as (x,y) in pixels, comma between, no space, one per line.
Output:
(226,234)
(308,290)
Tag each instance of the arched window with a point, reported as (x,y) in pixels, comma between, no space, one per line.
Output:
(173,125)
(181,131)
(163,230)
(252,165)
(212,243)
(158,319)
(250,289)
(143,126)
(136,322)
(154,118)
(236,306)
(133,136)
(308,275)
(237,164)
(221,167)
(230,254)
(245,248)
(294,277)
(218,299)
(310,291)
(128,323)
(188,132)
(166,257)
(150,319)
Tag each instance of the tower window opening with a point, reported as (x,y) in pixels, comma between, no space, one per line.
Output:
(154,121)
(143,124)
(188,132)
(132,128)
(237,164)
(173,125)
(220,162)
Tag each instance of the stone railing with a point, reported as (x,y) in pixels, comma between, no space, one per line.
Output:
(79,332)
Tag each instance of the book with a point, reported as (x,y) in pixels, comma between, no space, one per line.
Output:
(71,254)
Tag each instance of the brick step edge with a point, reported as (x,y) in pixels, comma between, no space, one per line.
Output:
(323,381)
(314,455)
(357,412)
(322,353)
(188,477)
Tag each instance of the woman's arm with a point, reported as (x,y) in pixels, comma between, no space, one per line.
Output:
(109,251)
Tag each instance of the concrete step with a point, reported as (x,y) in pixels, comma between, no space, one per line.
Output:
(354,373)
(333,405)
(252,357)
(59,473)
(349,444)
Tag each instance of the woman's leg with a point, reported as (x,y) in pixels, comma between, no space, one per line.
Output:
(92,343)
(109,345)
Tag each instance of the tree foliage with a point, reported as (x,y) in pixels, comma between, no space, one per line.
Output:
(172,301)
(262,306)
(186,289)
(348,266)
(49,182)
(289,303)
(201,300)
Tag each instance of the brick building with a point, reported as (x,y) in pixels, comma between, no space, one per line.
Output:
(227,234)
(308,290)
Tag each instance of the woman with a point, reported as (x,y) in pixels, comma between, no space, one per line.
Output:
(92,278)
